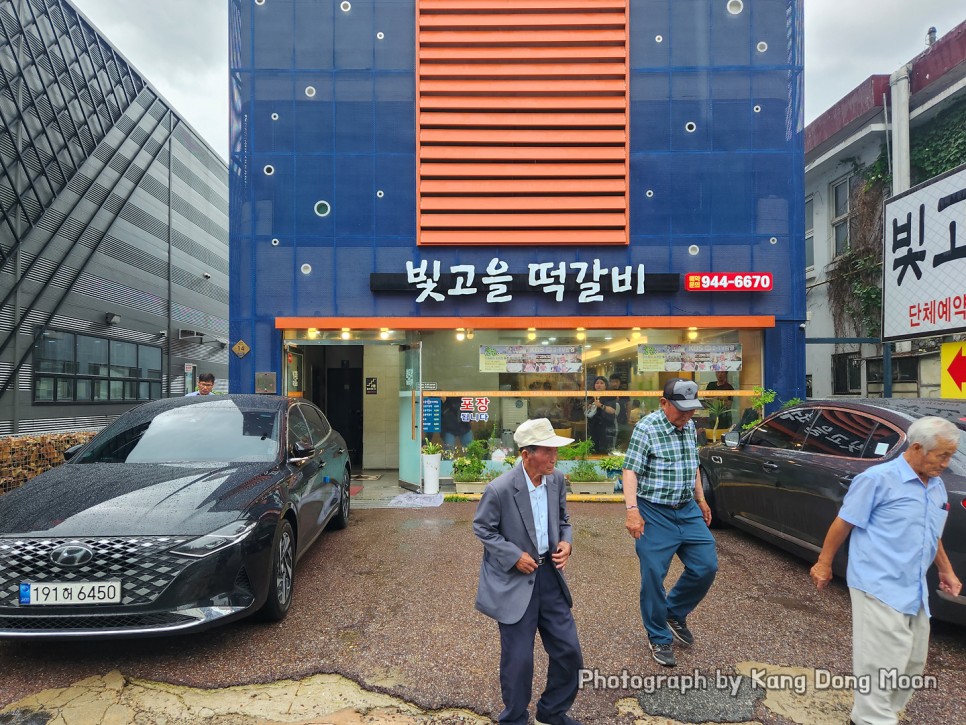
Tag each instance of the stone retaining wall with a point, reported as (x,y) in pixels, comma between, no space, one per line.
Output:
(23,457)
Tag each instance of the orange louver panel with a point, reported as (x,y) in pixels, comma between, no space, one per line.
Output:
(522,122)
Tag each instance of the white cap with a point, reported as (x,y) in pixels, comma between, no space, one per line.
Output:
(539,432)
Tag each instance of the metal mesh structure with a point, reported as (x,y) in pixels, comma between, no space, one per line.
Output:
(113,223)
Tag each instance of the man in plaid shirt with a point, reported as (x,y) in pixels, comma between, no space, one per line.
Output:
(662,488)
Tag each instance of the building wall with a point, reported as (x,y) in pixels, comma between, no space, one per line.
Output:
(380,411)
(324,109)
(852,133)
(860,151)
(111,205)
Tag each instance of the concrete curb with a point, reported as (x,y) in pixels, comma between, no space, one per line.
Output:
(580,497)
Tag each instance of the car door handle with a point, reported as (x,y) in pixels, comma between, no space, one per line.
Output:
(846,479)
(341,451)
(769,466)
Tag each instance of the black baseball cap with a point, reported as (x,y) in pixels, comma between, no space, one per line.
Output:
(682,394)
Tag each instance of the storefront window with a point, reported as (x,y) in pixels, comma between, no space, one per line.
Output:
(489,381)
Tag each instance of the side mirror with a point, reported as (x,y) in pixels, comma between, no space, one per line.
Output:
(731,439)
(300,452)
(72,451)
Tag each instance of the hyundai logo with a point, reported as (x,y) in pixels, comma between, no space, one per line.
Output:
(71,555)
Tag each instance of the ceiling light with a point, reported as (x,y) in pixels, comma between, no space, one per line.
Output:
(692,334)
(581,336)
(531,335)
(460,335)
(469,334)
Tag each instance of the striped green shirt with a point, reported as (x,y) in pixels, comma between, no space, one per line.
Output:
(665,459)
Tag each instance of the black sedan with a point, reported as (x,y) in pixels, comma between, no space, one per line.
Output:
(785,479)
(180,515)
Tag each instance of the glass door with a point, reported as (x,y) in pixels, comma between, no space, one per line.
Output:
(410,415)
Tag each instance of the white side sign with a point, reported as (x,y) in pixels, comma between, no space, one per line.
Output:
(924,259)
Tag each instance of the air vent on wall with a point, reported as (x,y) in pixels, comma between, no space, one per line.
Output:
(522,122)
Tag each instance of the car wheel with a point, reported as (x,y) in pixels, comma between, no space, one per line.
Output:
(282,577)
(341,518)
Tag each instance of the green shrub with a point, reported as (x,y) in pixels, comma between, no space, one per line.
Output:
(584,471)
(576,451)
(467,469)
(612,463)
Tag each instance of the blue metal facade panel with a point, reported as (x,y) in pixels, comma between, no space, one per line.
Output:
(342,87)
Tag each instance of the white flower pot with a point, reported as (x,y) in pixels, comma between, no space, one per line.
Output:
(431,472)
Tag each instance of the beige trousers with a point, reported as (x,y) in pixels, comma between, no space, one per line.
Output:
(886,644)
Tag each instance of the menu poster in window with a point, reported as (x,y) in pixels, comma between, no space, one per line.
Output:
(432,414)
(688,358)
(530,359)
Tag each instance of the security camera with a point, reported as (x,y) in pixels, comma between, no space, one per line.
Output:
(206,275)
(801,326)
(163,333)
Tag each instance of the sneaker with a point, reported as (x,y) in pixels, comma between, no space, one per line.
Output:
(681,632)
(663,654)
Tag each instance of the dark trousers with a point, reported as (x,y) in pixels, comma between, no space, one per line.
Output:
(548,612)
(668,532)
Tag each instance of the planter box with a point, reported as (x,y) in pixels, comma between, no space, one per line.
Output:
(470,486)
(592,487)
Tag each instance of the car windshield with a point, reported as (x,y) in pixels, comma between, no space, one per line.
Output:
(209,432)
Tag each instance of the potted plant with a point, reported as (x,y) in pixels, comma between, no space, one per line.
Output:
(587,477)
(432,455)
(470,473)
(612,464)
(717,408)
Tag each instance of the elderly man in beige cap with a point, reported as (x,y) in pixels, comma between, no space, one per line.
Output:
(523,523)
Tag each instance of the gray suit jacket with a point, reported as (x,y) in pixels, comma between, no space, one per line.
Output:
(504,523)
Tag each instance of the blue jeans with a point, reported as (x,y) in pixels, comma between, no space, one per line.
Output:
(668,532)
(449,439)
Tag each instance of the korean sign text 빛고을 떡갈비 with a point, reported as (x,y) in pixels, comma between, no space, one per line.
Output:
(550,277)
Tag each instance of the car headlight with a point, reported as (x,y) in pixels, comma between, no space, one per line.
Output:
(217,539)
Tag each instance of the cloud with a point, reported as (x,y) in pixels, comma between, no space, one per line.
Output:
(181,48)
(846,42)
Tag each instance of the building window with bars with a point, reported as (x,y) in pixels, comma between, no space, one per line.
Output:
(73,368)
(809,234)
(841,215)
(846,373)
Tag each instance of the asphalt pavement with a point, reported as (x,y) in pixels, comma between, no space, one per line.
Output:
(388,604)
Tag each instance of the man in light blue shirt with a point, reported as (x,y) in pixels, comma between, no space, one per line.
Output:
(206,384)
(895,513)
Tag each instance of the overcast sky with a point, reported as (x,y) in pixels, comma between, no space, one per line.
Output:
(181,48)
